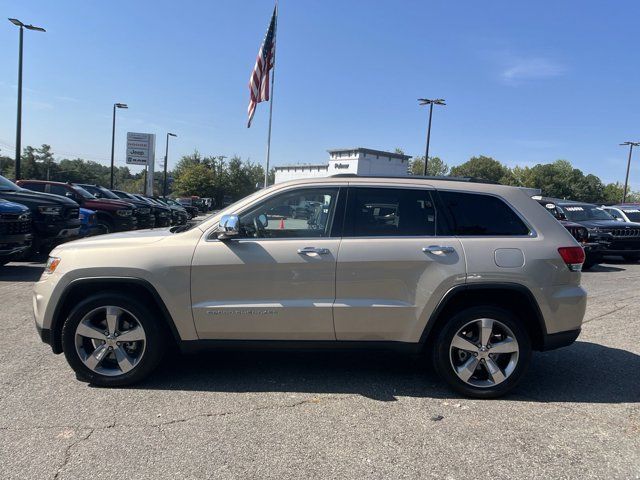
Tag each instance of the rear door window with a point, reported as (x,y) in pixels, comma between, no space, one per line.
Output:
(390,212)
(476,214)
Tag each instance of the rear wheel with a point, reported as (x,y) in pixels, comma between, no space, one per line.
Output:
(112,340)
(482,352)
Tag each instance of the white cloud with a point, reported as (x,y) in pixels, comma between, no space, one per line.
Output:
(518,70)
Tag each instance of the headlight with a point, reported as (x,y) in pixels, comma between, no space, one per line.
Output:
(50,210)
(124,213)
(52,264)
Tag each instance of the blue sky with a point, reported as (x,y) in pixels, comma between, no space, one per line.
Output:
(525,82)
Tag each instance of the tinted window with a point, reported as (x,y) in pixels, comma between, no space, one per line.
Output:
(59,190)
(477,214)
(632,213)
(36,187)
(580,213)
(382,212)
(296,214)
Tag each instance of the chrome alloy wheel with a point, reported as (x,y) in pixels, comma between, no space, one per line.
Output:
(484,352)
(110,340)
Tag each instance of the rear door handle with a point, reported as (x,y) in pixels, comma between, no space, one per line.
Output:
(313,251)
(439,249)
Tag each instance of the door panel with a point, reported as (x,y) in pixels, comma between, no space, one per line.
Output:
(392,267)
(386,288)
(263,289)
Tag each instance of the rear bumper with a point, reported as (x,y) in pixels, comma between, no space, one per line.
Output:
(559,340)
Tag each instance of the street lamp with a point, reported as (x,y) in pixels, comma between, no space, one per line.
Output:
(426,101)
(113,135)
(166,160)
(22,26)
(626,180)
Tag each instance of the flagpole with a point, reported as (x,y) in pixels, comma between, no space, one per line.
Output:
(273,76)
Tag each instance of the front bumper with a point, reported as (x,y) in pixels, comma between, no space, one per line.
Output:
(558,340)
(11,245)
(146,221)
(123,224)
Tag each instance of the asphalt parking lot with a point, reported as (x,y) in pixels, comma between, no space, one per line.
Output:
(325,415)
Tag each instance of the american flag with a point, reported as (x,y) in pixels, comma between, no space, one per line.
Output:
(259,81)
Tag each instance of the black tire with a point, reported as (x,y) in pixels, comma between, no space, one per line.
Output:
(154,343)
(105,224)
(631,258)
(442,357)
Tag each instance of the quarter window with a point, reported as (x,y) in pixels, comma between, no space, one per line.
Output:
(384,212)
(297,214)
(477,214)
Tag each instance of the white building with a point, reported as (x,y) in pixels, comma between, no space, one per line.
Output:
(358,161)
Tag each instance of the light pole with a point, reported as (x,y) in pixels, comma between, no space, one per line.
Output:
(626,180)
(113,135)
(166,160)
(426,101)
(22,26)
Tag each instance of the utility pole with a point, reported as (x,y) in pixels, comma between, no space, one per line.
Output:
(426,101)
(22,26)
(113,136)
(166,160)
(626,180)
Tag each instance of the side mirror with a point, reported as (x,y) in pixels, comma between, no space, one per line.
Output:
(229,227)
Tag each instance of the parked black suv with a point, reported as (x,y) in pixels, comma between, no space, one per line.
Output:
(594,243)
(161,213)
(620,238)
(55,219)
(143,212)
(179,215)
(15,230)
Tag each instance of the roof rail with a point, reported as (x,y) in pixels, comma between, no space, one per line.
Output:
(419,177)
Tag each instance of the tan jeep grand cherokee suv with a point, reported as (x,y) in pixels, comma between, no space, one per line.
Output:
(476,275)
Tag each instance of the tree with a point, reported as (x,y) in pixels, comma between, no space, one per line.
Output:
(195,179)
(483,167)
(435,168)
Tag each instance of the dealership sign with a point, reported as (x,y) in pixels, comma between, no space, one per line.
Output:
(141,148)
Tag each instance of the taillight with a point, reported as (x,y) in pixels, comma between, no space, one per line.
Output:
(573,257)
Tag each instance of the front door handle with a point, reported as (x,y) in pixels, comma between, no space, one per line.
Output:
(313,251)
(438,249)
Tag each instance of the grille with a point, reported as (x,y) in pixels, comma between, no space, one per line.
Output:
(72,213)
(16,227)
(143,211)
(624,232)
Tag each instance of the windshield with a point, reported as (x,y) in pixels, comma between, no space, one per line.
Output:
(83,192)
(8,186)
(632,213)
(580,213)
(106,193)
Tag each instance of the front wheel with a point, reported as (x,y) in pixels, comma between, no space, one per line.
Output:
(482,352)
(112,340)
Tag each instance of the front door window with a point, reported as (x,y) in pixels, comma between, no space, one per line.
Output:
(304,213)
